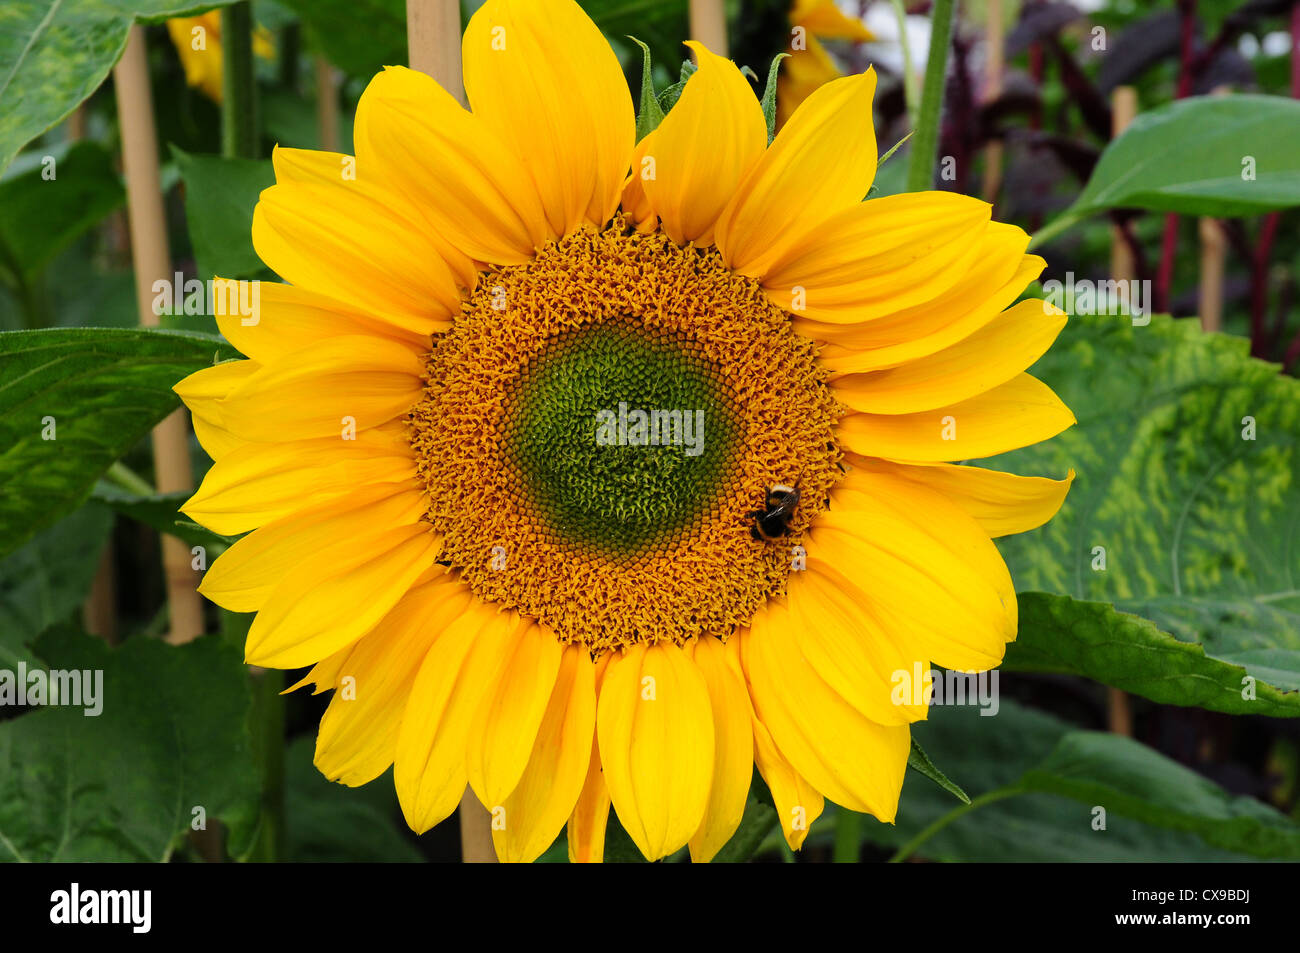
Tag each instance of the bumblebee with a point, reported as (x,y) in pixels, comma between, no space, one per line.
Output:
(773,521)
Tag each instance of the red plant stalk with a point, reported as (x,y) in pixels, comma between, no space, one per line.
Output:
(1169,243)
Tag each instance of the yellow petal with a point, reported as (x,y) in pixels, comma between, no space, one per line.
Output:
(1021,412)
(1002,503)
(797,802)
(921,566)
(543,79)
(846,646)
(334,387)
(1002,273)
(503,730)
(850,759)
(341,241)
(655,730)
(635,204)
(337,595)
(824,18)
(550,786)
(244,576)
(880,256)
(733,746)
(706,144)
(991,356)
(464,179)
(358,733)
(290,318)
(461,667)
(821,163)
(312,167)
(260,482)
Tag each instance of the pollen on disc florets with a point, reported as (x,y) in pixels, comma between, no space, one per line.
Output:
(611,541)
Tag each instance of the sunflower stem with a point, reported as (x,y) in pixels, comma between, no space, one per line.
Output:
(239,129)
(925,144)
(910,847)
(848,837)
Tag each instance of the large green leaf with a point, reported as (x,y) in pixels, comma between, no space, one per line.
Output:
(1035,782)
(333,823)
(42,212)
(55,53)
(172,736)
(219,197)
(1094,639)
(1199,528)
(103,388)
(1207,155)
(45,580)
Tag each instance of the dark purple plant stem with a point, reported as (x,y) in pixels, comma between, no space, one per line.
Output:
(1169,244)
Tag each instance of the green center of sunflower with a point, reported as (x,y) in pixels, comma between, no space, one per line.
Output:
(620,436)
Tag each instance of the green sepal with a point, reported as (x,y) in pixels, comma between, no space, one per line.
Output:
(769,96)
(649,115)
(668,98)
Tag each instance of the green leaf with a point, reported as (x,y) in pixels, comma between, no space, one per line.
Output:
(172,736)
(918,760)
(1207,155)
(220,195)
(1053,821)
(55,54)
(1095,640)
(1198,526)
(649,116)
(96,391)
(45,580)
(40,216)
(328,822)
(1130,779)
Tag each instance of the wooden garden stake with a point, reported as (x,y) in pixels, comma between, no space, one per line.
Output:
(1214,256)
(327,105)
(433,39)
(152,262)
(433,42)
(709,25)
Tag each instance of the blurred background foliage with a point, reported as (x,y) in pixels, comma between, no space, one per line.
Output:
(1204,535)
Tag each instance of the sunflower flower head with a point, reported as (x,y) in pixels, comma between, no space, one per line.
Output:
(603,471)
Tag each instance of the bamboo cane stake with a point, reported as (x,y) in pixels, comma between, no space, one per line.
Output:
(433,41)
(994,64)
(1214,257)
(1123,108)
(327,105)
(152,262)
(709,25)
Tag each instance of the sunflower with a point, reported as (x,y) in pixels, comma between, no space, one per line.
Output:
(460,515)
(198,43)
(810,66)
